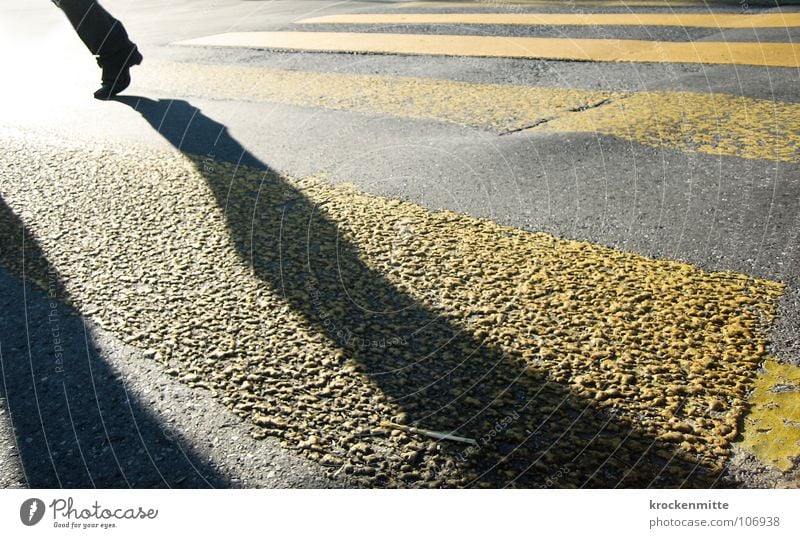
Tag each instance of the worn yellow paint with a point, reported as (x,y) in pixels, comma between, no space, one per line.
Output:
(589,50)
(703,20)
(495,106)
(715,124)
(772,427)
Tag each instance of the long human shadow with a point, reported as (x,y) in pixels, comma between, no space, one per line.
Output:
(75,424)
(444,378)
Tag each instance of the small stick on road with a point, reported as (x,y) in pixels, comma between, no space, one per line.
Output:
(429,433)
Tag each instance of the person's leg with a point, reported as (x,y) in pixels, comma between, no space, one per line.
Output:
(106,38)
(102,34)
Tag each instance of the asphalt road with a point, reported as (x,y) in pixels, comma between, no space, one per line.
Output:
(672,181)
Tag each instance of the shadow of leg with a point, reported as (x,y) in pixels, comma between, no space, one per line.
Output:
(431,371)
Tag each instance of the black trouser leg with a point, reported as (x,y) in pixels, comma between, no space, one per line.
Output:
(103,34)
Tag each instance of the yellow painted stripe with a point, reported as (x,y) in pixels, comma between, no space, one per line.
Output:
(596,50)
(715,124)
(704,20)
(772,427)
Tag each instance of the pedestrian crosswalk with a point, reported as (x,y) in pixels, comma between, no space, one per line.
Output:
(721,124)
(320,312)
(705,122)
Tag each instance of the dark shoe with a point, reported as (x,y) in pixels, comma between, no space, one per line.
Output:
(116,73)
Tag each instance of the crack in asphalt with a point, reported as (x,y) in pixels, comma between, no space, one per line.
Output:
(581,108)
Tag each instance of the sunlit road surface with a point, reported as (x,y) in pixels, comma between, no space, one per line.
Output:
(557,247)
